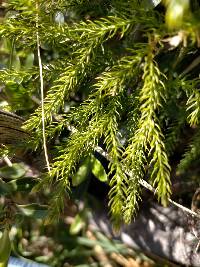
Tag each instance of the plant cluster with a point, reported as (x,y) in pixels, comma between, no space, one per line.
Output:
(115,76)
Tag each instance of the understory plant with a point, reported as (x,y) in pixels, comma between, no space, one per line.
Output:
(113,79)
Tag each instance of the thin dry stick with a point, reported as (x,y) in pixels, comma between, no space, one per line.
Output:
(41,90)
(197,247)
(150,188)
(7,161)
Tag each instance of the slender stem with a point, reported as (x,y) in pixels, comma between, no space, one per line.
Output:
(7,161)
(41,90)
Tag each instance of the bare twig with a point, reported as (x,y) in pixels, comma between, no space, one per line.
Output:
(7,161)
(197,247)
(192,65)
(41,89)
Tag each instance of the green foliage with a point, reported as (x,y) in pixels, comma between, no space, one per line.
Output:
(176,12)
(148,138)
(109,82)
(5,247)
(192,153)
